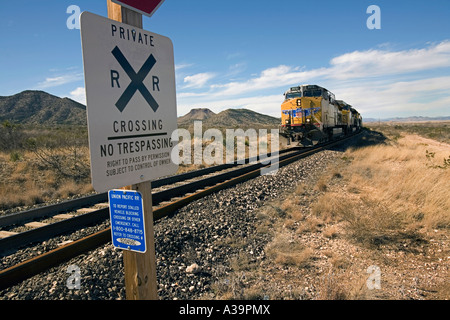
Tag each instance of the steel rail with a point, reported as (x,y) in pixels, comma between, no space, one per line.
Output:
(29,268)
(45,211)
(14,242)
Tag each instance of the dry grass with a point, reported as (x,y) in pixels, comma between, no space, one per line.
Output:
(436,130)
(39,164)
(29,181)
(342,286)
(394,199)
(390,187)
(285,250)
(385,204)
(399,181)
(392,191)
(206,150)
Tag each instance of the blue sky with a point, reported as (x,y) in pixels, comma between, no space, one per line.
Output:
(245,54)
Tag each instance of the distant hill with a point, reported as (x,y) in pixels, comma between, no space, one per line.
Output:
(39,107)
(407,119)
(228,119)
(195,114)
(241,118)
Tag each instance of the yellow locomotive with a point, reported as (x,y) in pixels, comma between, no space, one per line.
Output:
(311,114)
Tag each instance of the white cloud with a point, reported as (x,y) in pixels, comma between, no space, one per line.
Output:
(359,64)
(56,81)
(183,66)
(275,77)
(426,96)
(379,82)
(79,95)
(354,65)
(236,69)
(234,55)
(198,80)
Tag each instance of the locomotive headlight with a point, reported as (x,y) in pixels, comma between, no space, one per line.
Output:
(308,120)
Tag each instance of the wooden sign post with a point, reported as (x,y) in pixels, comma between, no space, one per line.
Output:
(129,130)
(140,268)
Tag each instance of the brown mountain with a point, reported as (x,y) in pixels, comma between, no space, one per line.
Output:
(195,114)
(39,107)
(228,119)
(241,118)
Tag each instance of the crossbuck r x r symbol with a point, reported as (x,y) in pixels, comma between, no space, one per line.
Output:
(136,80)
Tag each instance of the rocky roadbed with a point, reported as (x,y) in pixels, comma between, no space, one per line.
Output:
(194,247)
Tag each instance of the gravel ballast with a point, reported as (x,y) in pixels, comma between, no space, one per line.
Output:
(193,248)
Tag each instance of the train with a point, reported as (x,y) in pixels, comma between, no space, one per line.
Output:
(310,114)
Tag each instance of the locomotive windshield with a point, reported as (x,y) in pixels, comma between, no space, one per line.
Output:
(312,92)
(293,95)
(309,91)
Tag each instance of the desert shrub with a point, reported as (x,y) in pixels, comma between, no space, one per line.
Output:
(11,136)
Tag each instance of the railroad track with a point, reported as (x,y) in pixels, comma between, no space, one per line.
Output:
(165,202)
(37,225)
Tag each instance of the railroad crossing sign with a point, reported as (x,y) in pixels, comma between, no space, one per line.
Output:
(136,80)
(131,102)
(145,7)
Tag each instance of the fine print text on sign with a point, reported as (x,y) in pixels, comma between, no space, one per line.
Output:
(131,102)
(127,220)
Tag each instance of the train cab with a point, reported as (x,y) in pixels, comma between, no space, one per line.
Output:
(308,112)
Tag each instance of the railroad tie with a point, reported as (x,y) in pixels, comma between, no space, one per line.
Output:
(35,224)
(6,234)
(86,210)
(63,216)
(102,205)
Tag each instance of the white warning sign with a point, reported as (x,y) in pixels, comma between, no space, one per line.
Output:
(131,102)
